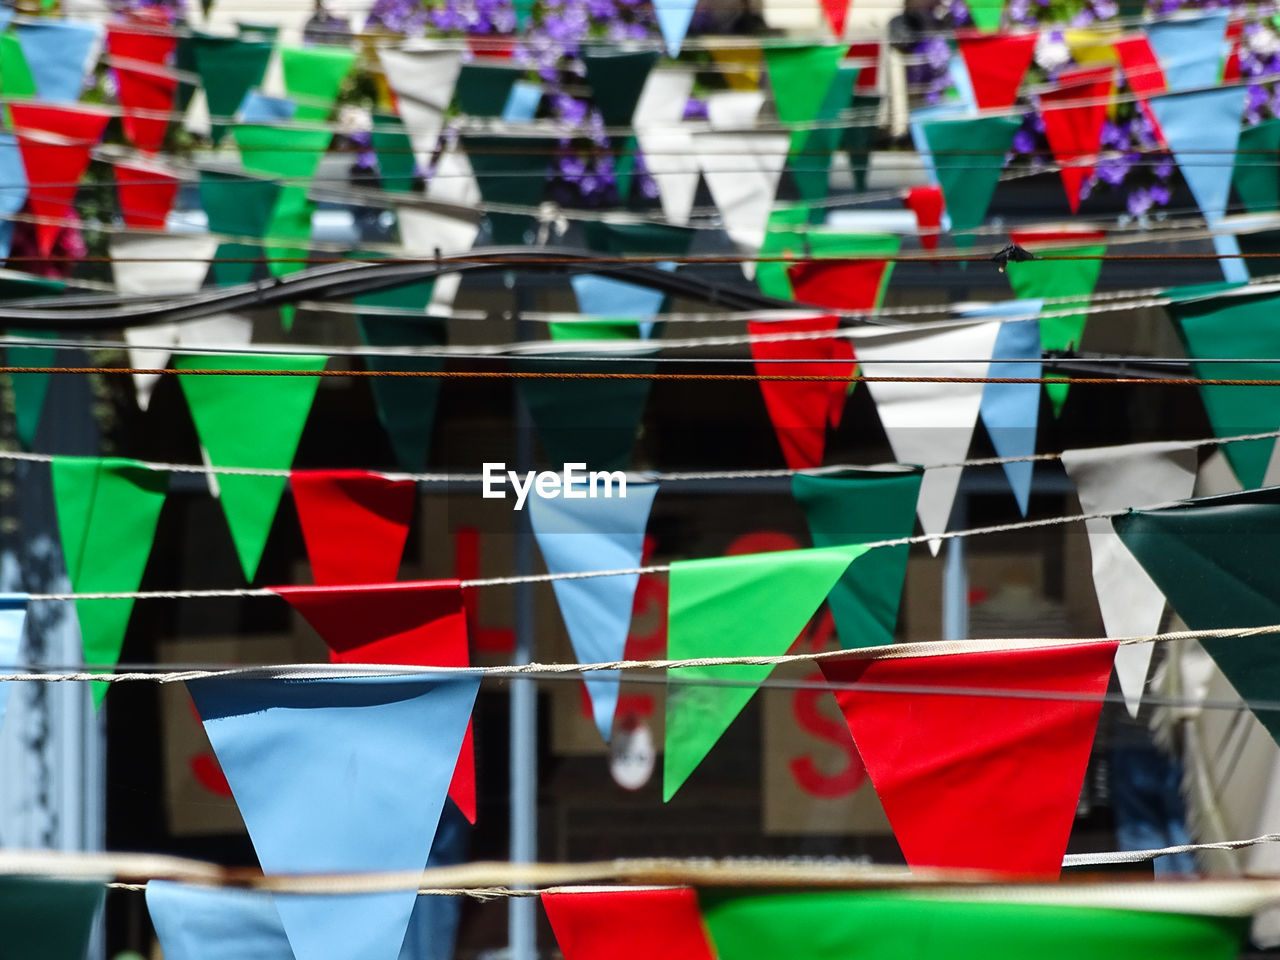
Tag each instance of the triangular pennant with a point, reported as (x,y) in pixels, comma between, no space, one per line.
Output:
(800,78)
(423,82)
(986,14)
(209,923)
(674,17)
(313,77)
(617,80)
(742,170)
(809,157)
(1254,175)
(589,924)
(863,506)
(843,284)
(13,187)
(606,297)
(997,63)
(483,89)
(968,156)
(107,513)
(929,423)
(420,623)
(397,168)
(668,150)
(337,776)
(30,389)
(228,414)
(13,617)
(926,203)
(146,194)
(229,68)
(236,206)
(15,75)
(49,919)
(1073,115)
(510,171)
(1141,67)
(1189,49)
(144,92)
(836,12)
(1202,130)
(1117,478)
(578,532)
(354,523)
(55,144)
(59,53)
(981,774)
(741,606)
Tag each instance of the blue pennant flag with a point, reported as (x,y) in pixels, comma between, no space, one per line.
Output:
(203,923)
(673,20)
(522,102)
(13,615)
(605,297)
(341,775)
(586,533)
(13,187)
(1190,51)
(58,53)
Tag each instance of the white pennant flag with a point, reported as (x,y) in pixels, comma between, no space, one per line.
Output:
(929,423)
(423,79)
(137,273)
(668,150)
(1116,478)
(423,231)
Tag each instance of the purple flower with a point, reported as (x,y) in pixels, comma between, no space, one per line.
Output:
(1159,195)
(1138,202)
(1164,169)
(1112,170)
(1024,141)
(695,109)
(1114,136)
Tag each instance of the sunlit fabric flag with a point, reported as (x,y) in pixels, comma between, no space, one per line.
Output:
(863,506)
(927,204)
(147,84)
(13,187)
(897,925)
(237,206)
(146,192)
(59,53)
(605,297)
(13,615)
(580,531)
(211,923)
(1189,50)
(397,167)
(844,284)
(926,422)
(674,17)
(1254,171)
(997,63)
(1141,67)
(800,77)
(454,229)
(836,12)
(423,81)
(510,170)
(617,80)
(107,513)
(55,144)
(627,924)
(668,149)
(1118,478)
(46,918)
(229,68)
(1234,327)
(289,749)
(418,623)
(313,77)
(1073,114)
(228,414)
(967,157)
(1212,559)
(986,14)
(743,606)
(15,74)
(815,141)
(970,778)
(354,523)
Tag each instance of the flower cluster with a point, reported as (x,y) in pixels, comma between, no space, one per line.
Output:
(1073,13)
(1259,49)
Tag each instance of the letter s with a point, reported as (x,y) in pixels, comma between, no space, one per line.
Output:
(805,709)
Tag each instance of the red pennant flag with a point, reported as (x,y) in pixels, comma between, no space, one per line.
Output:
(836,11)
(628,924)
(146,195)
(926,203)
(55,144)
(1231,71)
(354,523)
(147,95)
(868,75)
(997,62)
(978,780)
(840,284)
(1142,73)
(1075,132)
(416,623)
(1033,239)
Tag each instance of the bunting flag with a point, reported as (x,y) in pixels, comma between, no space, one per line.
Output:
(1254,173)
(229,68)
(236,206)
(617,80)
(1073,113)
(1118,478)
(55,144)
(146,193)
(31,389)
(510,176)
(986,14)
(836,12)
(354,523)
(844,284)
(971,779)
(483,90)
(809,157)
(893,925)
(58,53)
(626,305)
(313,78)
(1200,127)
(581,532)
(1209,558)
(800,77)
(422,232)
(967,157)
(397,167)
(627,924)
(740,606)
(1141,67)
(1189,49)
(288,749)
(997,63)
(13,186)
(863,506)
(1223,328)
(144,92)
(423,81)
(107,513)
(668,149)
(49,919)
(674,17)
(212,923)
(13,617)
(414,623)
(926,203)
(227,411)
(928,423)
(15,74)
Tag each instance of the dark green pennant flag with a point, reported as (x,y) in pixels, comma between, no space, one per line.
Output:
(638,239)
(250,421)
(809,160)
(1255,176)
(858,138)
(617,80)
(237,206)
(510,170)
(887,925)
(863,506)
(395,153)
(968,156)
(1233,327)
(313,76)
(229,67)
(1214,559)
(45,919)
(107,513)
(30,389)
(482,90)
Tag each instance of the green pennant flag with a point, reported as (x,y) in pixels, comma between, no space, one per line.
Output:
(396,165)
(229,67)
(744,606)
(15,74)
(858,139)
(617,80)
(313,77)
(237,206)
(599,328)
(184,59)
(638,239)
(482,90)
(888,925)
(251,421)
(48,919)
(1033,279)
(800,78)
(290,220)
(1242,327)
(510,170)
(782,238)
(863,506)
(1214,559)
(107,512)
(1255,176)
(986,14)
(968,156)
(809,159)
(30,389)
